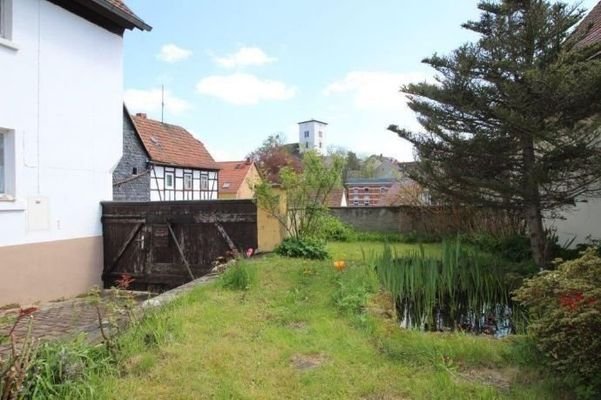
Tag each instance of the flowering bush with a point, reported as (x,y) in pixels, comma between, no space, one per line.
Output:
(565,312)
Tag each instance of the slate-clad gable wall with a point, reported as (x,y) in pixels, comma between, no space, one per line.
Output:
(134,156)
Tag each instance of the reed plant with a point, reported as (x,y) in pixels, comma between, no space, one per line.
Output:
(463,289)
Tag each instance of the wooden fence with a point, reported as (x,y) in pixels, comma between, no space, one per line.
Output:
(162,245)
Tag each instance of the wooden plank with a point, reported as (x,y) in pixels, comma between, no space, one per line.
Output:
(181,252)
(123,220)
(125,245)
(227,239)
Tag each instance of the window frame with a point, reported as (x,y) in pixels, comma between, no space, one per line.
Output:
(9,170)
(3,167)
(307,133)
(204,182)
(188,178)
(172,185)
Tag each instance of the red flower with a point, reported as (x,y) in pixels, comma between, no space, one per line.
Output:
(125,281)
(571,301)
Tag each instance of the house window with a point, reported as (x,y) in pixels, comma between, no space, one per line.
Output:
(2,163)
(383,190)
(355,190)
(355,202)
(5,19)
(169,180)
(320,145)
(366,189)
(7,164)
(134,171)
(306,134)
(366,200)
(187,182)
(204,182)
(320,134)
(306,145)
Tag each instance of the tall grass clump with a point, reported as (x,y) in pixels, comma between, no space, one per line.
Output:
(238,277)
(461,290)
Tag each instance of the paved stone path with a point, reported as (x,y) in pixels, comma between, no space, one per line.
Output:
(69,318)
(59,320)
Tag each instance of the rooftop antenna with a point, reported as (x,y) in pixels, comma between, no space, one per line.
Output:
(162,103)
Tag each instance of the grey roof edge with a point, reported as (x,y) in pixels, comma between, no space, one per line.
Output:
(134,20)
(313,120)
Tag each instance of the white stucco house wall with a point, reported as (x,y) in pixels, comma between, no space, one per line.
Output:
(60,138)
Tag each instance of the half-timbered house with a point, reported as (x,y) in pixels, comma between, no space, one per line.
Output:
(163,162)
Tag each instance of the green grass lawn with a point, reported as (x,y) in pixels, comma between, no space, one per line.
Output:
(287,338)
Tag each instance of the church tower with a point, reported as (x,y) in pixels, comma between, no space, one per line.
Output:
(312,136)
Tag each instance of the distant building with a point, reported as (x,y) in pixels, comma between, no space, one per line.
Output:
(367,192)
(163,162)
(388,186)
(312,136)
(337,198)
(237,179)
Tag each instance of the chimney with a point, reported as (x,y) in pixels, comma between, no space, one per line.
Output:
(248,161)
(141,115)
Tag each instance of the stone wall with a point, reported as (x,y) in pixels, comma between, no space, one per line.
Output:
(128,186)
(428,220)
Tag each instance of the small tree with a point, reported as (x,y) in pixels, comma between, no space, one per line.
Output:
(306,193)
(513,119)
(272,156)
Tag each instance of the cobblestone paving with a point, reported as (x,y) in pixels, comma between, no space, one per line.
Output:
(69,318)
(59,320)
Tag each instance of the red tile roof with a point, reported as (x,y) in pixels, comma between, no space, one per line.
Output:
(589,30)
(232,175)
(172,145)
(335,198)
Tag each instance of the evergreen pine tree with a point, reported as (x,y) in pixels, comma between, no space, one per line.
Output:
(512,121)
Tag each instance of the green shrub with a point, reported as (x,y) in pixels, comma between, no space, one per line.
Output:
(565,320)
(515,248)
(238,277)
(310,248)
(330,228)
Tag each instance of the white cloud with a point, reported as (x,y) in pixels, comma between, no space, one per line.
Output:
(171,53)
(376,96)
(379,92)
(150,101)
(374,90)
(244,89)
(245,56)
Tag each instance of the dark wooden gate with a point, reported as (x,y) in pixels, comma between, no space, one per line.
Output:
(165,244)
